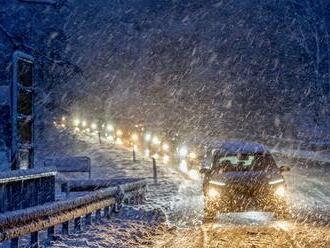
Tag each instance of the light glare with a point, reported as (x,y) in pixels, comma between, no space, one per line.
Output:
(183,151)
(147,152)
(155,140)
(192,155)
(147,137)
(213,193)
(281,180)
(119,133)
(193,174)
(110,127)
(166,159)
(135,137)
(183,166)
(76,122)
(165,147)
(280,191)
(93,126)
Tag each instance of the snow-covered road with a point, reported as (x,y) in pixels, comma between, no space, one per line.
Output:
(179,199)
(269,235)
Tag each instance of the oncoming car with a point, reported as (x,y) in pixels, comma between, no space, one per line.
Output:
(243,176)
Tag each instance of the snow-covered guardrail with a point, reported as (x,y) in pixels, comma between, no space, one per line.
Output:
(21,189)
(70,164)
(32,220)
(77,185)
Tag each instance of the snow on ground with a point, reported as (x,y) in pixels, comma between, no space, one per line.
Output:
(130,228)
(280,234)
(178,201)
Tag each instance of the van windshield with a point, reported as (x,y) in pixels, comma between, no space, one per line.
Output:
(244,162)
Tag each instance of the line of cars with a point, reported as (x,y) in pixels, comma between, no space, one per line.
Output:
(237,175)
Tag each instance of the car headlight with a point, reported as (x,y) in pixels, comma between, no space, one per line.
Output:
(276,181)
(218,183)
(280,191)
(213,193)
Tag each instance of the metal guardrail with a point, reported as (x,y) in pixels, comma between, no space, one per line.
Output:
(80,185)
(21,189)
(70,164)
(32,220)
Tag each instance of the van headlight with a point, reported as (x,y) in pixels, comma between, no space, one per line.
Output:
(213,193)
(280,191)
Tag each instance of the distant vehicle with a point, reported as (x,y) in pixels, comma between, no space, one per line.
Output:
(243,176)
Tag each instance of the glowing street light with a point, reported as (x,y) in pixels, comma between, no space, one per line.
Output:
(166,159)
(119,141)
(183,166)
(76,122)
(110,128)
(147,152)
(147,137)
(193,174)
(135,137)
(183,151)
(93,126)
(84,124)
(119,133)
(192,155)
(63,118)
(155,140)
(165,147)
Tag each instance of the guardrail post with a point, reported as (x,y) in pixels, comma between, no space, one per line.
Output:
(77,224)
(65,188)
(112,208)
(65,228)
(154,168)
(35,239)
(98,215)
(100,140)
(134,154)
(88,219)
(51,233)
(14,243)
(2,198)
(107,212)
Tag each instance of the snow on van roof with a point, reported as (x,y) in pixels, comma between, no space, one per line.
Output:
(238,146)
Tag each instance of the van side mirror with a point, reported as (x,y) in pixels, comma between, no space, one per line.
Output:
(204,170)
(284,168)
